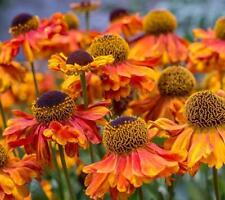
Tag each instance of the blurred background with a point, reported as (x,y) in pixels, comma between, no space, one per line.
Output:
(190,13)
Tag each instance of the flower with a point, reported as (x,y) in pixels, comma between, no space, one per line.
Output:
(159,27)
(207,54)
(11,73)
(174,85)
(56,118)
(123,23)
(77,62)
(202,138)
(118,77)
(71,20)
(130,161)
(15,174)
(25,91)
(23,23)
(85,5)
(47,37)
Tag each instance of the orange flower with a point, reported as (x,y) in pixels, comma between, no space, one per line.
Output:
(15,174)
(159,27)
(202,138)
(77,62)
(130,161)
(25,91)
(118,77)
(11,71)
(208,54)
(39,39)
(174,85)
(56,118)
(123,23)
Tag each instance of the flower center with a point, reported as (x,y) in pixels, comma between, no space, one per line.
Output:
(110,45)
(125,134)
(79,57)
(176,81)
(53,106)
(117,14)
(219,28)
(23,23)
(3,156)
(159,22)
(205,109)
(71,20)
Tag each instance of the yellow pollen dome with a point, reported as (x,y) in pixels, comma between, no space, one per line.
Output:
(3,156)
(205,109)
(159,22)
(23,23)
(219,28)
(110,45)
(125,134)
(53,106)
(71,20)
(176,81)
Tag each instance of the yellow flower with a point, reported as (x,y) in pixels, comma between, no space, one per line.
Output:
(77,62)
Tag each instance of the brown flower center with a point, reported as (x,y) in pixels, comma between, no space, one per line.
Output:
(3,156)
(176,81)
(205,109)
(125,134)
(79,57)
(219,28)
(110,45)
(53,106)
(159,22)
(23,23)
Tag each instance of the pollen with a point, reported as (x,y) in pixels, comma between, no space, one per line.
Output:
(110,45)
(176,81)
(53,106)
(23,23)
(71,20)
(219,28)
(205,109)
(159,22)
(3,156)
(79,57)
(125,134)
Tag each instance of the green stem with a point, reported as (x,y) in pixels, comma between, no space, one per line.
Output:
(4,124)
(84,88)
(85,99)
(87,20)
(171,191)
(215,183)
(34,79)
(58,173)
(65,170)
(140,194)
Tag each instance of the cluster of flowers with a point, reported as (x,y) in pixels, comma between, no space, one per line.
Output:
(136,81)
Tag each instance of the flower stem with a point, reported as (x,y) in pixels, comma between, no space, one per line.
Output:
(84,88)
(65,170)
(4,125)
(140,194)
(58,173)
(171,191)
(34,79)
(85,99)
(215,183)
(87,20)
